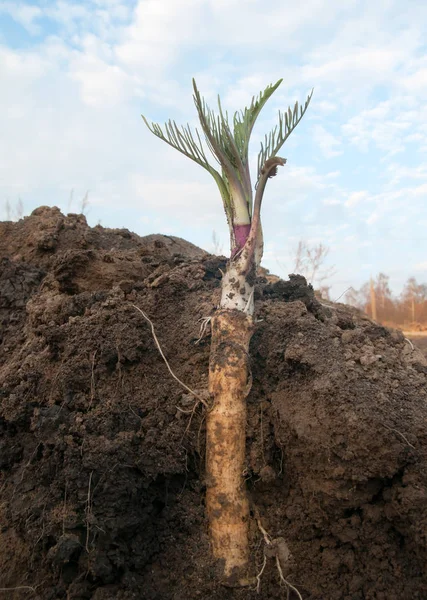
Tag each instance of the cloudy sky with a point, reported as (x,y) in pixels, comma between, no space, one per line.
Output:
(75,77)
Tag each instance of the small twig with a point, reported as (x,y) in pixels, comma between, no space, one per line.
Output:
(344,292)
(186,412)
(401,435)
(92,380)
(110,470)
(186,475)
(119,366)
(198,433)
(24,469)
(281,461)
(135,413)
(40,536)
(53,386)
(20,587)
(29,460)
(64,509)
(262,434)
(326,305)
(409,342)
(199,398)
(88,512)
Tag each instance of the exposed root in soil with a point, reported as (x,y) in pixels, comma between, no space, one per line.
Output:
(92,380)
(19,588)
(401,435)
(277,549)
(203,327)
(410,343)
(288,585)
(88,512)
(195,394)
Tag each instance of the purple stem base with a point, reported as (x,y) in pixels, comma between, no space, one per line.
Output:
(241,233)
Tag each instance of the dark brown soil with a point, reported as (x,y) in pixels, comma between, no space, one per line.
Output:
(102,475)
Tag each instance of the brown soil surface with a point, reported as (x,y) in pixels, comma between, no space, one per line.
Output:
(102,474)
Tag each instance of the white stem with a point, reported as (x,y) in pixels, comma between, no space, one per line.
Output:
(237,293)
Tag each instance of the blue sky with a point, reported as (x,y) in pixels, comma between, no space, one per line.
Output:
(75,77)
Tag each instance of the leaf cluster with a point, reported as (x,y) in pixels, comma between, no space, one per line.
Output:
(229,144)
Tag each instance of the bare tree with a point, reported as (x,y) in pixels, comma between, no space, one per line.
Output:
(85,203)
(309,261)
(19,210)
(8,210)
(218,248)
(14,212)
(70,200)
(413,299)
(375,298)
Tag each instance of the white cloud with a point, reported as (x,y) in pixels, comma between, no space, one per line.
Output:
(422,266)
(386,126)
(415,79)
(360,64)
(102,84)
(328,144)
(373,218)
(178,197)
(152,40)
(325,107)
(24,14)
(398,172)
(356,198)
(280,23)
(16,67)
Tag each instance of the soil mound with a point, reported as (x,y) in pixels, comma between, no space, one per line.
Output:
(101,466)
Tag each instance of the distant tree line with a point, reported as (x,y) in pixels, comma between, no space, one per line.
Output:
(408,310)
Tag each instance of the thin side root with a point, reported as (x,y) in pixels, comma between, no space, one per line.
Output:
(258,577)
(266,536)
(88,511)
(20,587)
(401,435)
(285,581)
(272,549)
(159,348)
(192,412)
(410,343)
(203,327)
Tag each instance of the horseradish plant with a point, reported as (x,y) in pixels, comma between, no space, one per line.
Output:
(232,324)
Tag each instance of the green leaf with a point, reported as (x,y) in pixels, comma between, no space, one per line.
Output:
(222,145)
(230,148)
(181,138)
(244,121)
(278,136)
